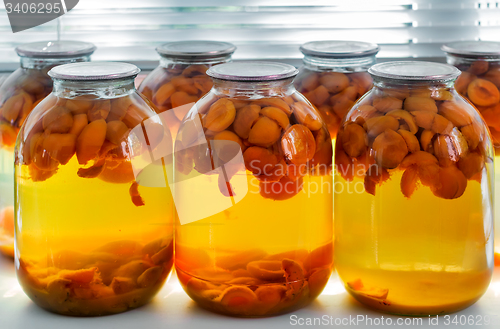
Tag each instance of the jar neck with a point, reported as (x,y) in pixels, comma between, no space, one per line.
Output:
(344,65)
(102,89)
(395,84)
(166,61)
(253,89)
(41,63)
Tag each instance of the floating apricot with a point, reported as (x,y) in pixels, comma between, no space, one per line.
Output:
(444,150)
(274,102)
(386,104)
(390,149)
(493,75)
(150,277)
(116,132)
(270,295)
(244,120)
(137,200)
(184,84)
(406,117)
(60,146)
(354,140)
(240,259)
(426,140)
(182,98)
(259,160)
(319,257)
(57,120)
(411,140)
(294,277)
(238,299)
(463,82)
(195,69)
(472,133)
(277,115)
(409,181)
(451,183)
(334,81)
(420,104)
(226,152)
(377,125)
(307,116)
(357,288)
(298,143)
(90,141)
(220,115)
(119,174)
(79,122)
(283,189)
(483,93)
(265,132)
(310,82)
(80,104)
(341,106)
(203,83)
(478,67)
(8,134)
(362,80)
(471,164)
(12,108)
(100,110)
(318,96)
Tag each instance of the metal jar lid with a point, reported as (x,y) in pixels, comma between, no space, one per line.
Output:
(252,71)
(196,49)
(92,71)
(55,49)
(339,49)
(415,71)
(473,48)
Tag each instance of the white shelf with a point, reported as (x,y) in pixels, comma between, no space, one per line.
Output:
(172,308)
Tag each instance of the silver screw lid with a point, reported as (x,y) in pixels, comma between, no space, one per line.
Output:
(252,71)
(339,49)
(199,49)
(415,71)
(55,49)
(473,48)
(87,71)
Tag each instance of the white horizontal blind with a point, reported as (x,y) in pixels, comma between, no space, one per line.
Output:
(129,30)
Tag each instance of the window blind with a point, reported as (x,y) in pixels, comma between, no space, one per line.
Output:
(129,30)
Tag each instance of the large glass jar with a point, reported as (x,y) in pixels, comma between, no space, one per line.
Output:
(254,194)
(479,82)
(181,77)
(19,94)
(334,76)
(413,203)
(89,239)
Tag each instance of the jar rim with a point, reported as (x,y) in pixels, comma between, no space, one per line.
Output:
(252,71)
(472,48)
(418,71)
(55,49)
(94,71)
(339,49)
(196,49)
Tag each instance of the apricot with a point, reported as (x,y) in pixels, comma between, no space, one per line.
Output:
(244,120)
(57,120)
(441,95)
(100,110)
(265,132)
(357,288)
(334,82)
(150,277)
(426,140)
(411,140)
(354,140)
(406,117)
(472,133)
(266,270)
(8,134)
(277,115)
(298,144)
(420,104)
(364,112)
(455,113)
(220,115)
(307,116)
(409,181)
(294,277)
(195,69)
(203,83)
(432,121)
(238,299)
(12,108)
(184,84)
(319,257)
(90,141)
(79,122)
(318,96)
(341,106)
(444,150)
(116,132)
(471,164)
(493,75)
(387,103)
(451,183)
(226,152)
(270,295)
(258,159)
(390,149)
(483,93)
(283,189)
(463,81)
(362,81)
(60,146)
(375,126)
(122,285)
(7,220)
(80,104)
(120,173)
(180,98)
(478,67)
(274,102)
(310,81)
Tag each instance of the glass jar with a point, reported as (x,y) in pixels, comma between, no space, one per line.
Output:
(334,76)
(413,203)
(89,239)
(479,82)
(253,194)
(19,94)
(181,76)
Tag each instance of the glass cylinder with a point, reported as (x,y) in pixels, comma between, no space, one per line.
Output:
(413,203)
(334,76)
(479,82)
(91,239)
(19,94)
(181,77)
(253,194)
